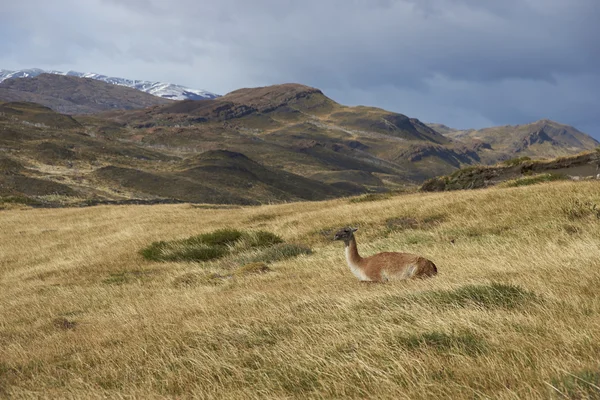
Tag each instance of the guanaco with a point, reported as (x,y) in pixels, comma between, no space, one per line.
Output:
(383,267)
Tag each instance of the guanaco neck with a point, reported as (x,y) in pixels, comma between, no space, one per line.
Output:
(352,255)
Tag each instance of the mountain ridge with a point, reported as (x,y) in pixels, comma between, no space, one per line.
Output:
(74,95)
(159,89)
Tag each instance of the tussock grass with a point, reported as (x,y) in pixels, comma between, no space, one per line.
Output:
(495,295)
(584,384)
(209,246)
(513,312)
(463,342)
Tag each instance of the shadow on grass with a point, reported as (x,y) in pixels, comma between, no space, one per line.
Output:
(464,342)
(584,384)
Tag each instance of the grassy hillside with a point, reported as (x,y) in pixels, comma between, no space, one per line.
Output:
(518,172)
(51,159)
(512,314)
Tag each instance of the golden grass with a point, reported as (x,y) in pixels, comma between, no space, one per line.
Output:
(83,315)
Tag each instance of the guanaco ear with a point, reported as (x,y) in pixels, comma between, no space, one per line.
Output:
(354,229)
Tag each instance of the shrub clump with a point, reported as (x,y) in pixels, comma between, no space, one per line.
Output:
(495,295)
(253,268)
(260,246)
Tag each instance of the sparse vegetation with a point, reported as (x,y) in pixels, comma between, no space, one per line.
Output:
(584,384)
(495,295)
(532,180)
(209,246)
(576,209)
(281,252)
(463,342)
(512,313)
(253,268)
(371,197)
(512,162)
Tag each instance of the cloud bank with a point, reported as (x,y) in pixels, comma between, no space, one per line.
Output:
(465,63)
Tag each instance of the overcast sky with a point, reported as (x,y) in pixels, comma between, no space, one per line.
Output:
(464,63)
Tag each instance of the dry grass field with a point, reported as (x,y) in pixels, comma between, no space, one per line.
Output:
(513,314)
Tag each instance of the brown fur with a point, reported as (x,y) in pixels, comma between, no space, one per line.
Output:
(385,266)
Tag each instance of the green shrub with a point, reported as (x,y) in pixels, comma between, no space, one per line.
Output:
(263,239)
(221,237)
(220,243)
(184,250)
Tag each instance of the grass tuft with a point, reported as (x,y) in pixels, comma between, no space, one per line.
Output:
(280,252)
(495,295)
(253,268)
(578,209)
(464,342)
(209,246)
(584,384)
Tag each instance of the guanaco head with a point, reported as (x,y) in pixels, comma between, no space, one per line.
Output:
(345,234)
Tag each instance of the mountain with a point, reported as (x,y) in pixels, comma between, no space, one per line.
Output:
(159,89)
(72,95)
(298,129)
(285,142)
(542,138)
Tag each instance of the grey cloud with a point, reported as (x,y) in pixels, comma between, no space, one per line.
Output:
(474,62)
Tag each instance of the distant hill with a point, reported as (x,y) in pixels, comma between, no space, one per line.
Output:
(72,95)
(285,142)
(49,156)
(519,172)
(161,89)
(542,138)
(299,129)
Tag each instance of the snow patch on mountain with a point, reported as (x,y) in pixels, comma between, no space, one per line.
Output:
(159,89)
